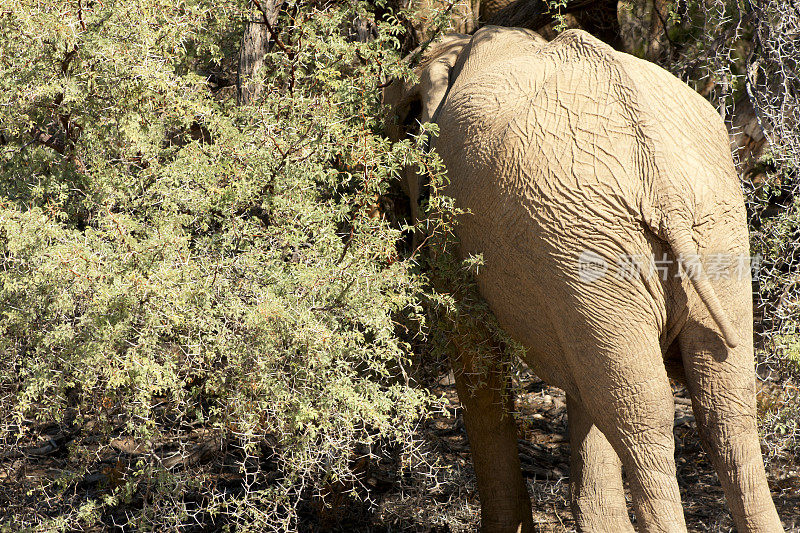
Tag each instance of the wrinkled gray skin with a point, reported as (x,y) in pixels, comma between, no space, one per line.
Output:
(565,147)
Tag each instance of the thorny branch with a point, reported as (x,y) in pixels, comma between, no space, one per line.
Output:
(265,20)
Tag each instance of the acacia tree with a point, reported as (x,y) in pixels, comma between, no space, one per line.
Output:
(203,316)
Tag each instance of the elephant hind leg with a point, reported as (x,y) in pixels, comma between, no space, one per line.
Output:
(596,491)
(624,388)
(721,382)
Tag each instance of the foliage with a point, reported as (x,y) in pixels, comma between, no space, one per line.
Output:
(204,311)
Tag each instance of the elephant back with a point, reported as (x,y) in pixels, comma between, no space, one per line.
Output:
(573,142)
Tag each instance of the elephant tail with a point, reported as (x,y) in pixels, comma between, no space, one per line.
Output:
(684,248)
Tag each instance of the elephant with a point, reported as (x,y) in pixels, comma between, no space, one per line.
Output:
(571,161)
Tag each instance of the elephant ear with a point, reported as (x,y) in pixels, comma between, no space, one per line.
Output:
(413,103)
(403,101)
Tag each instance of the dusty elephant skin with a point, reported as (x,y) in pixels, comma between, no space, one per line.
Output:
(568,150)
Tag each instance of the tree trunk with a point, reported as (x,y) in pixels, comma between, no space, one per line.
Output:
(531,14)
(256,43)
(598,17)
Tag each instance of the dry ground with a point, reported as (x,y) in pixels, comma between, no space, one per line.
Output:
(436,496)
